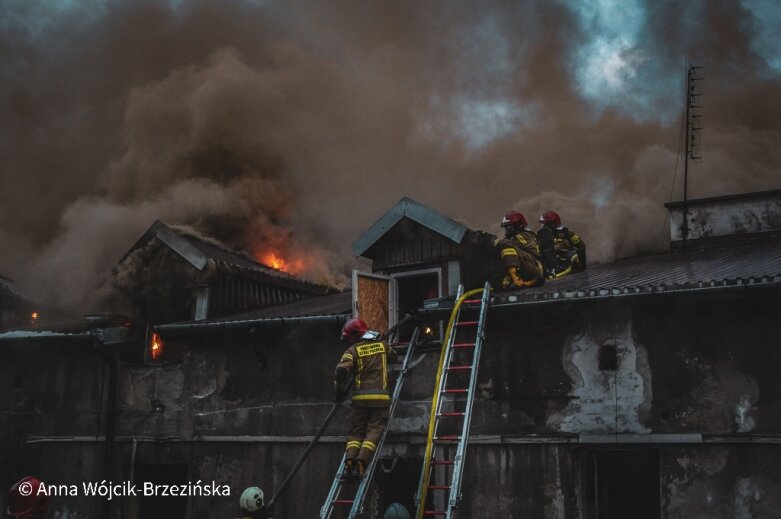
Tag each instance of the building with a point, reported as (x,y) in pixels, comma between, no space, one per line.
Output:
(646,387)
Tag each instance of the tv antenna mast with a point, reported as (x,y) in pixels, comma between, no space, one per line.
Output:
(693,149)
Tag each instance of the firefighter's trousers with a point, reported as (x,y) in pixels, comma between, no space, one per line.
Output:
(366,426)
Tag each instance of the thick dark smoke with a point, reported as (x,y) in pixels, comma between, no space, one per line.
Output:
(294,125)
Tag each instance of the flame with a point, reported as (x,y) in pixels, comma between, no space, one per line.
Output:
(156,346)
(277,262)
(33,317)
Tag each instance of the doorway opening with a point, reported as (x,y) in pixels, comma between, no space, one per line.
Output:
(410,289)
(398,480)
(620,483)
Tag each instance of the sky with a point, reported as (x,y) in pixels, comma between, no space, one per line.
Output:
(292,126)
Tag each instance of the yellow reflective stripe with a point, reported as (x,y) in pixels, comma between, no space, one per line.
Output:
(369,445)
(371,397)
(384,371)
(353,444)
(370,349)
(509,252)
(346,357)
(358,376)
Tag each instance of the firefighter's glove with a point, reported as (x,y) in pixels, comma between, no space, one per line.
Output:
(517,281)
(340,382)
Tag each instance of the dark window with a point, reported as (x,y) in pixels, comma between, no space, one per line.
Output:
(608,357)
(620,483)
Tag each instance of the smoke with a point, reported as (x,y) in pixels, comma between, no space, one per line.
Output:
(293,126)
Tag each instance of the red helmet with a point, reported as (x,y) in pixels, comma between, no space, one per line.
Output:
(24,501)
(354,329)
(550,217)
(514,218)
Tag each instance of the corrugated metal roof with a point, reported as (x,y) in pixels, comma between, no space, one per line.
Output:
(744,266)
(333,304)
(750,266)
(409,208)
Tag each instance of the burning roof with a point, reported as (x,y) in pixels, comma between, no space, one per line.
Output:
(188,276)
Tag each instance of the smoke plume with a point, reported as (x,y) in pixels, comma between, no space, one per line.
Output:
(293,126)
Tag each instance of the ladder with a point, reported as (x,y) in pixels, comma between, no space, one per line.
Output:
(339,494)
(451,408)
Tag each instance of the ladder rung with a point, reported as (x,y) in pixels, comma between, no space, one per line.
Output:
(459,390)
(343,501)
(458,368)
(448,438)
(439,487)
(453,413)
(464,345)
(434,512)
(443,462)
(467,323)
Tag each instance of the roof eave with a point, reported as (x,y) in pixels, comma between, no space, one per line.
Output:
(407,207)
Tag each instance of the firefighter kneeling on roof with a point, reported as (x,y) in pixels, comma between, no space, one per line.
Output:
(563,251)
(367,361)
(520,253)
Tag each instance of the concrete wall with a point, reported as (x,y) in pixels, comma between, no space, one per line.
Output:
(727,217)
(695,379)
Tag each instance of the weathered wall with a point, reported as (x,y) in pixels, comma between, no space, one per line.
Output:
(727,217)
(698,365)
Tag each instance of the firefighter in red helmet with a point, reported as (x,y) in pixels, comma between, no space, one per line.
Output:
(366,359)
(563,251)
(25,499)
(520,253)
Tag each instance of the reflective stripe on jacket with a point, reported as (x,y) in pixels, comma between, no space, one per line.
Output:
(368,362)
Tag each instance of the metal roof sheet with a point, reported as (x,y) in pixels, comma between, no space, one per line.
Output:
(737,266)
(407,207)
(332,304)
(694,271)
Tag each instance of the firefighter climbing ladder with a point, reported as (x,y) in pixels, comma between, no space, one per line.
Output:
(451,408)
(338,487)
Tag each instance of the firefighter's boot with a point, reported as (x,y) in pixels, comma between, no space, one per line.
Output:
(349,467)
(358,469)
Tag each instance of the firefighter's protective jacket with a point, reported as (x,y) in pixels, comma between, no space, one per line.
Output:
(557,245)
(520,253)
(368,363)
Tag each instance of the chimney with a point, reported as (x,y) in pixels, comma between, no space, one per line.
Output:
(725,220)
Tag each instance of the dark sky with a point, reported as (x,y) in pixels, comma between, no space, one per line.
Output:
(294,125)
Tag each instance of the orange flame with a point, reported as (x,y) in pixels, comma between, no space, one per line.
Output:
(277,262)
(33,317)
(156,346)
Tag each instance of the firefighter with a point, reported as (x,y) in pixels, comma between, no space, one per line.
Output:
(252,504)
(366,360)
(25,500)
(520,253)
(562,250)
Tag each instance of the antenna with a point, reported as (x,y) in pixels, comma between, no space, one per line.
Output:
(693,150)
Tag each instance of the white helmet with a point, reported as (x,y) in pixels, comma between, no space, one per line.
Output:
(396,511)
(251,499)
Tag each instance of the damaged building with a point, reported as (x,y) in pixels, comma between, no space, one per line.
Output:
(646,387)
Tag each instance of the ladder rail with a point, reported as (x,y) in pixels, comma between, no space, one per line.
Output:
(458,467)
(333,492)
(438,398)
(420,495)
(363,486)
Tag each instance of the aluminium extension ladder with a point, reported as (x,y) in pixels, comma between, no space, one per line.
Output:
(451,408)
(340,493)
